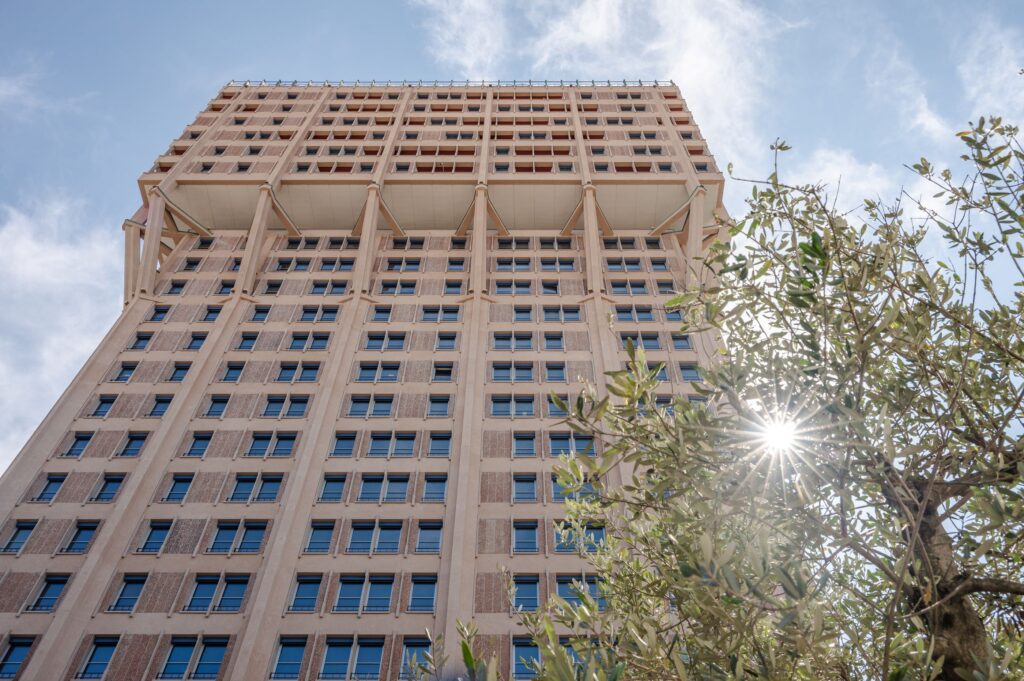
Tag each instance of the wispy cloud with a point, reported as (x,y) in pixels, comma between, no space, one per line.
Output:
(22,96)
(61,292)
(990,71)
(894,82)
(847,179)
(468,35)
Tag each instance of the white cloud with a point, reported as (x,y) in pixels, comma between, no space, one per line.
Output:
(469,35)
(61,292)
(894,82)
(989,70)
(720,55)
(848,180)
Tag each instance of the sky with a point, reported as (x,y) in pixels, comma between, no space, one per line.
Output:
(92,92)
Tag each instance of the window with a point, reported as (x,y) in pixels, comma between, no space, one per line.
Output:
(307,591)
(428,538)
(175,288)
(414,653)
(435,487)
(157,535)
(564,443)
(554,409)
(46,599)
(227,287)
(232,372)
(141,341)
(195,341)
(179,372)
(337,652)
(128,595)
(648,341)
(260,313)
(524,444)
(438,405)
(178,657)
(527,594)
(85,530)
(371,405)
(384,537)
(290,652)
(18,537)
(333,488)
(512,265)
(200,442)
(50,487)
(524,487)
(217,405)
(125,372)
(211,314)
(308,341)
(381,313)
(385,341)
(180,484)
(344,444)
(78,444)
(554,372)
(456,264)
(203,591)
(368,657)
(445,313)
(421,596)
(378,372)
(99,657)
(443,372)
(383,444)
(553,341)
(446,341)
(630,287)
(109,487)
(522,313)
(391,287)
(681,341)
(666,287)
(524,536)
(159,313)
(563,313)
(17,651)
(160,406)
(233,593)
(517,287)
(103,406)
(689,372)
(378,594)
(440,444)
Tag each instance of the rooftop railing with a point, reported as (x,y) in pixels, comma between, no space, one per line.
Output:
(451,83)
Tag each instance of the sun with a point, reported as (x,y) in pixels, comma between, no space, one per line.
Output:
(779,437)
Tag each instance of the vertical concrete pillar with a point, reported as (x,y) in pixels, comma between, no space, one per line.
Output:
(151,244)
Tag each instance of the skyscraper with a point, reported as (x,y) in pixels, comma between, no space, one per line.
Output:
(322,423)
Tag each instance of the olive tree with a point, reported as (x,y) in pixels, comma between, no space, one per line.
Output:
(847,502)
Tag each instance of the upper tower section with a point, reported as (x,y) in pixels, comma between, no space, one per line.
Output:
(427,147)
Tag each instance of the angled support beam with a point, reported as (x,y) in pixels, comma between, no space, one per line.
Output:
(478,265)
(281,213)
(602,220)
(254,242)
(677,213)
(467,219)
(695,241)
(389,216)
(367,237)
(151,244)
(491,211)
(573,220)
(591,244)
(180,213)
(132,232)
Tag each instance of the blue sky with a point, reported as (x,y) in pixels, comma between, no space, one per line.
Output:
(91,93)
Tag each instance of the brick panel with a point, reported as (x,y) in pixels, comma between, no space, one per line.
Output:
(167,340)
(206,487)
(281,313)
(160,592)
(242,405)
(269,340)
(184,536)
(412,405)
(183,313)
(577,340)
(294,287)
(128,405)
(422,340)
(224,443)
(104,444)
(495,487)
(257,371)
(495,645)
(402,313)
(497,444)
(148,371)
(15,589)
(490,594)
(575,371)
(134,652)
(494,535)
(77,487)
(501,313)
(418,371)
(47,535)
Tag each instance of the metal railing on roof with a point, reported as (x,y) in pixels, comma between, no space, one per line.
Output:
(451,83)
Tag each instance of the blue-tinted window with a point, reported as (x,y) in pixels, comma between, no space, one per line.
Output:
(50,487)
(99,657)
(78,445)
(128,596)
(307,590)
(158,531)
(133,445)
(82,537)
(178,657)
(289,658)
(53,587)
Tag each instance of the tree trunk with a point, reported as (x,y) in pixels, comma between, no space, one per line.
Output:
(955,627)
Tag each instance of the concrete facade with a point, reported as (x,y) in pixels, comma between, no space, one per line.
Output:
(312,431)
